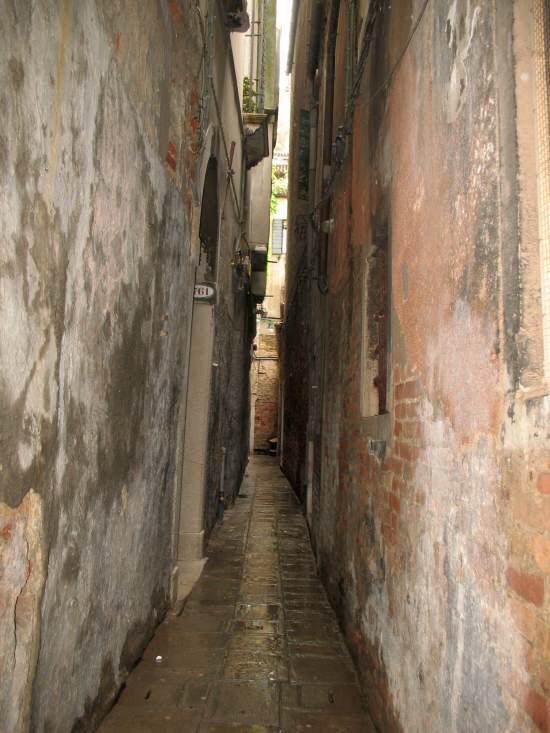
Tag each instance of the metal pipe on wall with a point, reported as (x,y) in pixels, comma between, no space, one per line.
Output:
(222,482)
(293,24)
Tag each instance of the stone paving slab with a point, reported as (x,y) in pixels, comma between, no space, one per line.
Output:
(257,648)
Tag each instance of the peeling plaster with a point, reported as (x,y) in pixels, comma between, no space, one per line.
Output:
(21,584)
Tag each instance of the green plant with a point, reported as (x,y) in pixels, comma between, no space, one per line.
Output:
(249,96)
(279,187)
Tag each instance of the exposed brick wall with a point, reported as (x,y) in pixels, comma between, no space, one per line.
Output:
(268,344)
(266,403)
(265,387)
(525,475)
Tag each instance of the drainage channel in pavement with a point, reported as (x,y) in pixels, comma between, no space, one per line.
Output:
(257,648)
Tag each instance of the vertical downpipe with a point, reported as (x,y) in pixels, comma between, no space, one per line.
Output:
(222,485)
(309,490)
(281,442)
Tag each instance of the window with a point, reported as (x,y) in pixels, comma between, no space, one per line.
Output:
(542,81)
(278,237)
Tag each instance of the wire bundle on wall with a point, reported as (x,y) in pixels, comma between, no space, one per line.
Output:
(376,10)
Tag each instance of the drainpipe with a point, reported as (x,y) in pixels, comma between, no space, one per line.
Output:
(178,488)
(222,484)
(292,41)
(350,54)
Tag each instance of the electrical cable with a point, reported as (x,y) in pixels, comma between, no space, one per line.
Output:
(300,275)
(375,11)
(205,63)
(230,171)
(388,81)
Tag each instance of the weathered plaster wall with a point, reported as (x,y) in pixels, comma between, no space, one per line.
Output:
(98,123)
(295,334)
(230,386)
(230,400)
(430,521)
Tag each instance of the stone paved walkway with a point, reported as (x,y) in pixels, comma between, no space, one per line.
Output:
(257,648)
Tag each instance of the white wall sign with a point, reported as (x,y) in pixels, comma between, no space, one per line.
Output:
(204,291)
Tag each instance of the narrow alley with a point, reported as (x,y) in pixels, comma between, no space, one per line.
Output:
(275,366)
(257,647)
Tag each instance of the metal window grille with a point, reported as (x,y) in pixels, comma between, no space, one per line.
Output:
(542,82)
(278,237)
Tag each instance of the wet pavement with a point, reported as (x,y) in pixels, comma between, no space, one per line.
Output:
(257,648)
